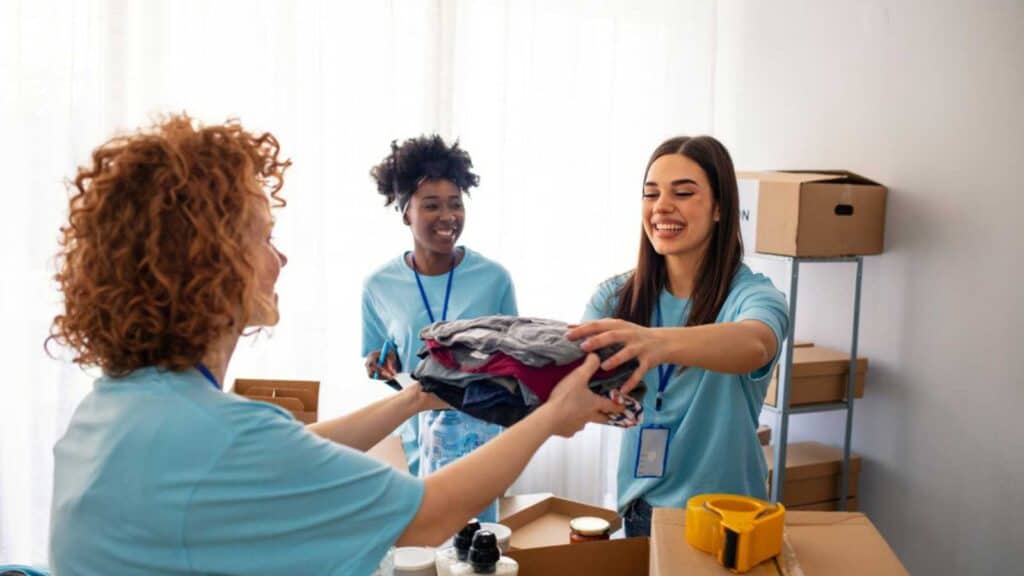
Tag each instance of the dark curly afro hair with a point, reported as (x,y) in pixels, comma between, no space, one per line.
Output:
(417,160)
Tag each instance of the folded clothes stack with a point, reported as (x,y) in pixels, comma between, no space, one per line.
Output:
(500,368)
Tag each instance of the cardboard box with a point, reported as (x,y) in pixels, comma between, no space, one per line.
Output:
(300,397)
(816,544)
(829,506)
(812,473)
(624,557)
(819,375)
(811,213)
(764,435)
(545,522)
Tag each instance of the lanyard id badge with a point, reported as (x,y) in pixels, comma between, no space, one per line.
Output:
(652,453)
(652,449)
(423,292)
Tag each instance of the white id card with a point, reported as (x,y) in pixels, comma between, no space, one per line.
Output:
(652,453)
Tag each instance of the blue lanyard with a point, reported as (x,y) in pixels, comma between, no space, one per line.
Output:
(664,370)
(423,293)
(207,374)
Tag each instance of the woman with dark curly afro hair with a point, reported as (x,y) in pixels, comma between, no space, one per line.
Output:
(166,259)
(425,180)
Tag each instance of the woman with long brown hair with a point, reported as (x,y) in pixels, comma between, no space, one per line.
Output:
(705,330)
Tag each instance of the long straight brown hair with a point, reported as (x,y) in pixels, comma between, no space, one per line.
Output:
(724,253)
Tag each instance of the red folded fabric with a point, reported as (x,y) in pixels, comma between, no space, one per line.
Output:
(541,380)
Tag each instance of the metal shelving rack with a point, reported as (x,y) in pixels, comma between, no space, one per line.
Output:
(782,409)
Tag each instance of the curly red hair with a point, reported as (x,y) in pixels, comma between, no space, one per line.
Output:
(155,259)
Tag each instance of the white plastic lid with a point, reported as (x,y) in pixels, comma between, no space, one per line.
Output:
(589,525)
(414,558)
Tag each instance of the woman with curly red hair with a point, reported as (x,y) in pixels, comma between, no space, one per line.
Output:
(166,259)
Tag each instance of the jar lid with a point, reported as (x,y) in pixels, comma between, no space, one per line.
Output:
(413,558)
(589,525)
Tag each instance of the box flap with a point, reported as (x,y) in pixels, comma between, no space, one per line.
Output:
(799,518)
(811,460)
(607,558)
(836,176)
(509,505)
(828,506)
(801,176)
(786,177)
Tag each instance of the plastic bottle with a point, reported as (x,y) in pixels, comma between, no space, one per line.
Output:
(502,533)
(444,441)
(486,558)
(458,551)
(450,435)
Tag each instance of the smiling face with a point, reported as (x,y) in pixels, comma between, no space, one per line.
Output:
(436,215)
(679,209)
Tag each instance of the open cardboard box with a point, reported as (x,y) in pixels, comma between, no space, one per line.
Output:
(816,544)
(624,557)
(544,521)
(819,375)
(300,397)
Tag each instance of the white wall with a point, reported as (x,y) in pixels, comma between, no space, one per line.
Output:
(925,97)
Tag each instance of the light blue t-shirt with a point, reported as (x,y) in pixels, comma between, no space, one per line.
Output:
(712,417)
(161,473)
(393,309)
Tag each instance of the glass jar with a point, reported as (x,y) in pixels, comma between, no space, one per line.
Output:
(588,529)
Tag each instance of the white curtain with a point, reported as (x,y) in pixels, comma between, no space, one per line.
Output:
(559,103)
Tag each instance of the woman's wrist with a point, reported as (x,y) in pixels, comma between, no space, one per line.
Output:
(662,351)
(544,418)
(413,400)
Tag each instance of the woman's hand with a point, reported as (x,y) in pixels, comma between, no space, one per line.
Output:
(639,342)
(574,404)
(384,371)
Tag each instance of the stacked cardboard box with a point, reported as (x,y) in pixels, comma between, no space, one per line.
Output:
(811,213)
(816,543)
(819,375)
(812,480)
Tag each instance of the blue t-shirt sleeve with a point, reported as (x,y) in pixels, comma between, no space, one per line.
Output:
(281,500)
(602,302)
(374,331)
(508,305)
(761,301)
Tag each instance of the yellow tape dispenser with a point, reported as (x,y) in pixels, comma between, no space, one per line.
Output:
(741,532)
